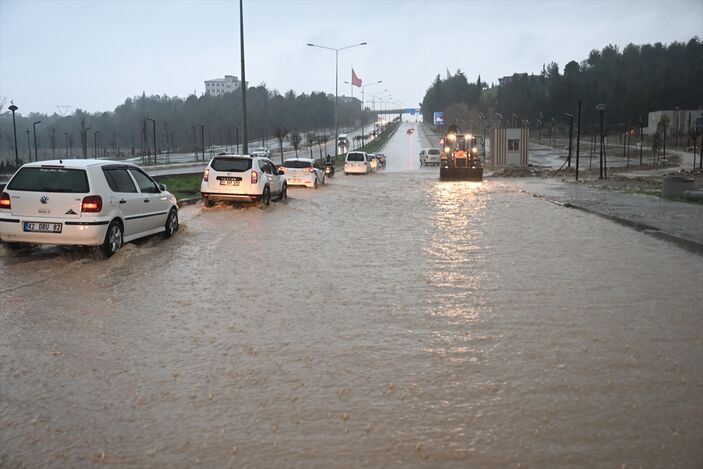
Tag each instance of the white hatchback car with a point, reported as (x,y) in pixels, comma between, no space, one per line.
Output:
(261,151)
(357,162)
(303,172)
(85,203)
(242,178)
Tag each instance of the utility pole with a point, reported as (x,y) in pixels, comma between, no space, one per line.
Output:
(571,132)
(641,141)
(245,131)
(578,139)
(29,147)
(34,130)
(13,108)
(601,109)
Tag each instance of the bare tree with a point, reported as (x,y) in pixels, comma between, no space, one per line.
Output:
(311,138)
(281,133)
(295,139)
(82,116)
(324,138)
(70,144)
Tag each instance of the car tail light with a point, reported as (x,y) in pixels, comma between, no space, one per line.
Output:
(5,201)
(92,204)
(309,170)
(254,177)
(206,175)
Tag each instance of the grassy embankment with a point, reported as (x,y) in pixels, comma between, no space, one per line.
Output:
(374,145)
(183,186)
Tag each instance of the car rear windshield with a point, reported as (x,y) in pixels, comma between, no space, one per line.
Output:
(232,165)
(433,152)
(355,157)
(297,164)
(50,179)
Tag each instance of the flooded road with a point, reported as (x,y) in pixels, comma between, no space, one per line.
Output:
(383,320)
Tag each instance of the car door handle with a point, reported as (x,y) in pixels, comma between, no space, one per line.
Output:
(122,201)
(146,201)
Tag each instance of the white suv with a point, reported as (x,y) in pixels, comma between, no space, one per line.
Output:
(85,203)
(357,162)
(303,172)
(430,156)
(261,151)
(242,178)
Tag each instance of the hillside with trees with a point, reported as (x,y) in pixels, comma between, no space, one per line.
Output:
(631,82)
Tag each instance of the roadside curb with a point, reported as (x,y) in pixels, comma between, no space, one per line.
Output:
(685,243)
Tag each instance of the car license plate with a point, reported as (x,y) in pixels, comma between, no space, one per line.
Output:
(229,182)
(42,227)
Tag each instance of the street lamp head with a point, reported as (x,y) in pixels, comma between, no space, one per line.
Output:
(362,44)
(37,122)
(13,108)
(601,107)
(311,45)
(570,116)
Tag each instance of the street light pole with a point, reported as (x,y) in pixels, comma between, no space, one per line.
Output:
(202,138)
(601,109)
(29,148)
(578,139)
(34,131)
(641,127)
(571,132)
(13,108)
(236,137)
(245,129)
(336,89)
(363,107)
(65,134)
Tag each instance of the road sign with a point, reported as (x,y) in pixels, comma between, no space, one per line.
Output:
(409,111)
(438,118)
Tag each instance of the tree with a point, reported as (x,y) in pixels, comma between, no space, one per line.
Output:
(295,139)
(52,141)
(280,134)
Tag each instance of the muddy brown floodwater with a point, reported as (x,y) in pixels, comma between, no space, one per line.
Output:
(380,321)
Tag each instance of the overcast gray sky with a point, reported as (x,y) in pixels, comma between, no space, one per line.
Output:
(94,54)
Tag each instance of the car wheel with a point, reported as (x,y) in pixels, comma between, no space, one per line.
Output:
(323,180)
(171,224)
(284,192)
(207,202)
(14,246)
(113,239)
(314,184)
(265,197)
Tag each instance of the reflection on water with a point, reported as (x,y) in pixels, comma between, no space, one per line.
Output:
(383,320)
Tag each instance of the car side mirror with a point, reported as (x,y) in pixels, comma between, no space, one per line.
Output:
(281,172)
(162,187)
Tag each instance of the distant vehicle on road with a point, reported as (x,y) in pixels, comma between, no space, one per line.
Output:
(459,159)
(84,203)
(373,161)
(263,152)
(242,178)
(357,162)
(381,159)
(430,156)
(303,172)
(343,140)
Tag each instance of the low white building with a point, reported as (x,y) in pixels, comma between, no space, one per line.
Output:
(678,118)
(220,86)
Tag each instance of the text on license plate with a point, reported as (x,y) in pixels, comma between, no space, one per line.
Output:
(42,227)
(229,182)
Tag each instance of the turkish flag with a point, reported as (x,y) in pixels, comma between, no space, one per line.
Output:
(356,81)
